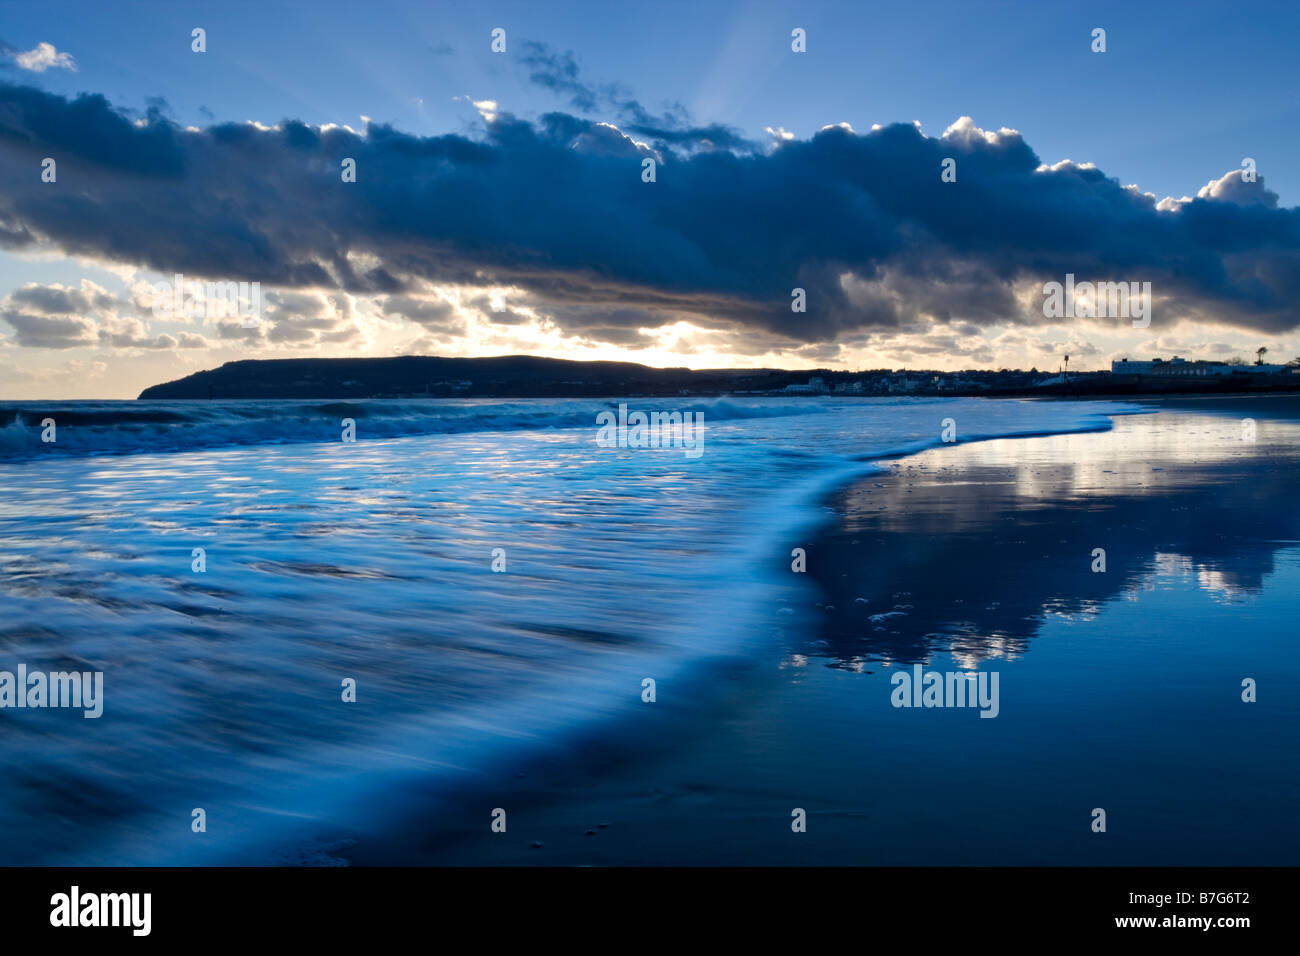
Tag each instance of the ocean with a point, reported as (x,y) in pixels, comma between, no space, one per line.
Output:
(492,578)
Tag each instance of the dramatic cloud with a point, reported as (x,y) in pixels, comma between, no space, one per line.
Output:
(48,331)
(59,317)
(305,319)
(557,209)
(1234,188)
(433,314)
(56,300)
(558,72)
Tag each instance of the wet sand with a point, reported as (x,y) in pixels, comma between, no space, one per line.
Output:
(1119,689)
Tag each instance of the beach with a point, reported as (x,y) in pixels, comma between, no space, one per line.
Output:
(1119,690)
(446,449)
(480,634)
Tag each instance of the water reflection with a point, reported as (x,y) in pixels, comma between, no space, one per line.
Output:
(971,549)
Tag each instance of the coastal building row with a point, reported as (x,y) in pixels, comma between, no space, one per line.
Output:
(1198,369)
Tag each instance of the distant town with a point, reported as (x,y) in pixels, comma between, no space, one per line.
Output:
(1156,374)
(521,376)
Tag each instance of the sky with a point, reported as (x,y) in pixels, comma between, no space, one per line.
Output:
(500,202)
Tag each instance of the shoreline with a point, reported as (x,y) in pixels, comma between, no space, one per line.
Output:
(716,786)
(379,532)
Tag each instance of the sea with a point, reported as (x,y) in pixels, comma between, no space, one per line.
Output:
(302,635)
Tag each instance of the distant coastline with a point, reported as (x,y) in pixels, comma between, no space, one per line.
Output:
(521,376)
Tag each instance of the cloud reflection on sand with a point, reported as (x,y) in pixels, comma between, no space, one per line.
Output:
(986,541)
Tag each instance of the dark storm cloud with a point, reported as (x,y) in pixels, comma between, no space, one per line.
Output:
(88,129)
(558,72)
(558,208)
(713,136)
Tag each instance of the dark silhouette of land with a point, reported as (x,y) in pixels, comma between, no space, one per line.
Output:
(523,376)
(511,376)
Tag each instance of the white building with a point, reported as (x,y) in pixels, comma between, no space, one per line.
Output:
(1181,367)
(815,386)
